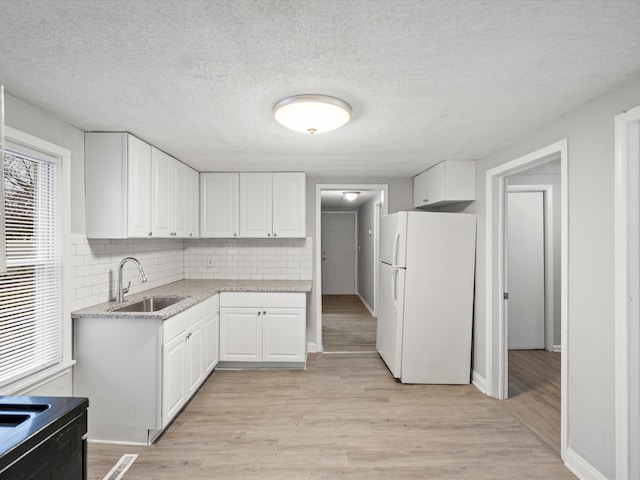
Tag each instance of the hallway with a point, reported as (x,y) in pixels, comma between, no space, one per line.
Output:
(347,325)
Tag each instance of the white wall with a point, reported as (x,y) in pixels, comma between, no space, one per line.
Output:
(590,357)
(366,250)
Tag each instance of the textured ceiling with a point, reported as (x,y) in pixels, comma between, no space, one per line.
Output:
(427,80)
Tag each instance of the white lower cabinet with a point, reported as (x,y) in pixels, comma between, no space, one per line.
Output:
(262,327)
(138,373)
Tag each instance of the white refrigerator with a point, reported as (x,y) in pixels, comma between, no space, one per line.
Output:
(426,296)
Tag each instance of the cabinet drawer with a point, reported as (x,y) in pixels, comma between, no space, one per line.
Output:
(263,299)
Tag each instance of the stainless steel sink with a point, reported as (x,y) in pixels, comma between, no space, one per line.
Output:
(12,415)
(153,304)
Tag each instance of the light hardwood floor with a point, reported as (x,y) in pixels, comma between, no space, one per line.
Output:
(534,393)
(347,325)
(343,417)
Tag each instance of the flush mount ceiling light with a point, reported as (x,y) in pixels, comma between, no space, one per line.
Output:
(351,196)
(312,113)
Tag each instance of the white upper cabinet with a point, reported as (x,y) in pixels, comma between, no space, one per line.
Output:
(138,188)
(451,181)
(135,190)
(219,198)
(256,190)
(117,185)
(273,205)
(193,204)
(163,188)
(289,205)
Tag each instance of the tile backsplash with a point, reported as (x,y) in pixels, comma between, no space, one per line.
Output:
(95,263)
(95,266)
(251,259)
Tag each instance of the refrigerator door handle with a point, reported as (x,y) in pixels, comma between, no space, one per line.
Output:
(394,288)
(396,244)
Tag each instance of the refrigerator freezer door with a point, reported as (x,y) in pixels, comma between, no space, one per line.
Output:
(393,239)
(390,317)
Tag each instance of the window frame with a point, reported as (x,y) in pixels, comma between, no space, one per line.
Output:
(17,139)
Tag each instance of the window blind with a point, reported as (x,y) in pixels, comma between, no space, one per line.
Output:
(31,290)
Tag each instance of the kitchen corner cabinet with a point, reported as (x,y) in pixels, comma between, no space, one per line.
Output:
(138,373)
(273,205)
(219,199)
(450,181)
(134,190)
(263,329)
(173,197)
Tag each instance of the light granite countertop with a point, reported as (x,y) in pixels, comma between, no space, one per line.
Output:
(194,292)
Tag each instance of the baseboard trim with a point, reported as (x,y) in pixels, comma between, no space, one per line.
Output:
(580,467)
(557,348)
(312,347)
(479,382)
(366,305)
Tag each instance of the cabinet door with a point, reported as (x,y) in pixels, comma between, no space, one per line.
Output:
(138,187)
(211,341)
(195,358)
(240,334)
(193,204)
(181,217)
(420,190)
(256,205)
(219,206)
(289,205)
(174,365)
(163,203)
(436,184)
(283,335)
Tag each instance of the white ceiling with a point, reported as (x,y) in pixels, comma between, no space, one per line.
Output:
(428,80)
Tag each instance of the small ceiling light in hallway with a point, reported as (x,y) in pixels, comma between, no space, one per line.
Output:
(351,196)
(312,113)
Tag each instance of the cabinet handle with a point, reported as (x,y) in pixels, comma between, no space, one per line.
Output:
(268,234)
(264,312)
(235,234)
(275,234)
(259,313)
(150,233)
(425,200)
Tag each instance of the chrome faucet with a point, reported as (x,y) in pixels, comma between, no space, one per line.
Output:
(122,291)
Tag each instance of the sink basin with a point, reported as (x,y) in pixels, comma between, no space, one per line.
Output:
(11,420)
(153,304)
(12,415)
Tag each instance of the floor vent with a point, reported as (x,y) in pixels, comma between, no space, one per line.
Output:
(121,467)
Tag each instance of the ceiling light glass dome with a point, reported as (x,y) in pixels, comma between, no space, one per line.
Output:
(312,113)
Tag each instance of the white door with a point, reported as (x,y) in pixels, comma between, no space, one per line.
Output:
(338,253)
(139,188)
(174,365)
(283,335)
(220,212)
(389,324)
(289,205)
(256,209)
(195,358)
(525,270)
(241,334)
(163,194)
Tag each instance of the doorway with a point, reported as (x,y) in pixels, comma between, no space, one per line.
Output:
(534,356)
(328,198)
(627,290)
(496,302)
